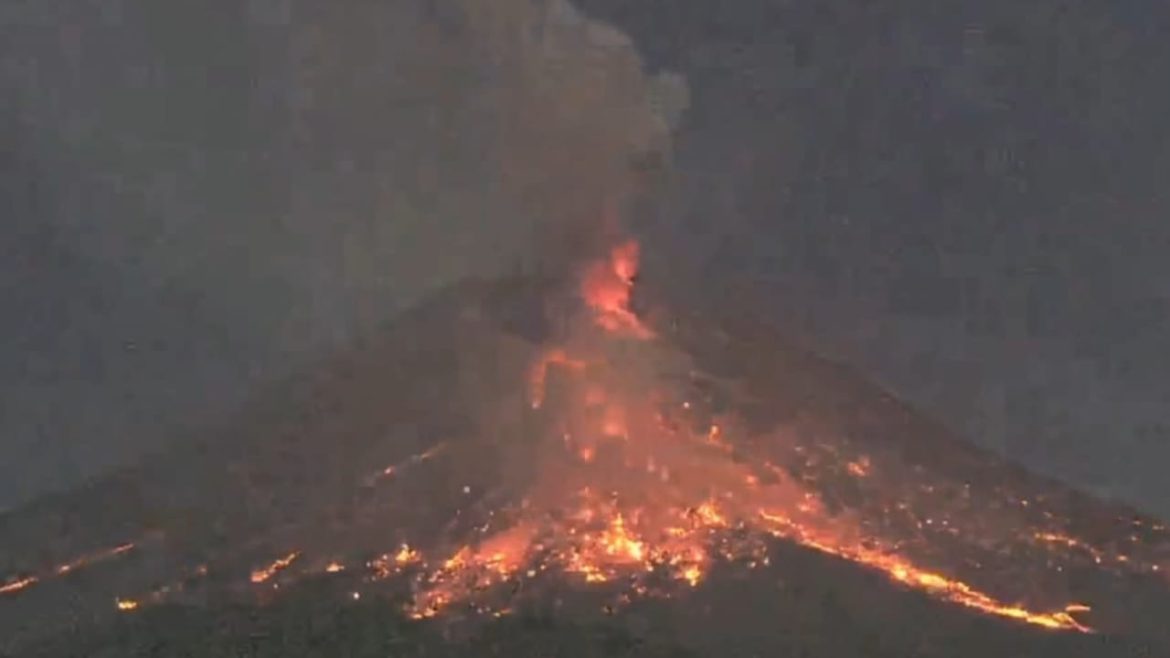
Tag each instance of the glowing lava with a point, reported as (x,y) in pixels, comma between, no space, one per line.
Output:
(266,573)
(14,586)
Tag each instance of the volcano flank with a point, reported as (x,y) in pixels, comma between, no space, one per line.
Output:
(570,466)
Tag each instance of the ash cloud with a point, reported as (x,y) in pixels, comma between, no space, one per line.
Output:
(208,198)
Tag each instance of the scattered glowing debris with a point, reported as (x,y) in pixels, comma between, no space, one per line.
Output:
(406,555)
(413,460)
(18,584)
(388,565)
(859,467)
(1069,542)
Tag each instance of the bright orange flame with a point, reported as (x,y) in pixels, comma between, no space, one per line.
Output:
(607,286)
(126,605)
(264,574)
(387,565)
(406,555)
(17,585)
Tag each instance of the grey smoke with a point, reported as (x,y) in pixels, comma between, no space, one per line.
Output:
(204,199)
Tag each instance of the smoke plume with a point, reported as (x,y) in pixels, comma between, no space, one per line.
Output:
(227,192)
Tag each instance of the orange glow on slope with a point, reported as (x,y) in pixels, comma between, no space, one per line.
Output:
(126,605)
(539,373)
(94,558)
(394,469)
(18,584)
(937,584)
(266,573)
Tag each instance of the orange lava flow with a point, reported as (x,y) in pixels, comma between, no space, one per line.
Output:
(266,573)
(19,584)
(539,373)
(903,571)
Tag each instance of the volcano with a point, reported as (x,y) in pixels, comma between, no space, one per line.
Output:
(582,449)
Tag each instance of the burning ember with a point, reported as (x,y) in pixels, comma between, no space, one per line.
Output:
(14,585)
(266,573)
(17,584)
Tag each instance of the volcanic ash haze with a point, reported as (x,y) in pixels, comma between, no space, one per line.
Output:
(635,453)
(224,195)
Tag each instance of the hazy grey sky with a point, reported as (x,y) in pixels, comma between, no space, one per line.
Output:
(201,198)
(969,202)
